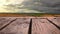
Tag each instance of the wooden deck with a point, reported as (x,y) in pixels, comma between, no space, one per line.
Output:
(29,25)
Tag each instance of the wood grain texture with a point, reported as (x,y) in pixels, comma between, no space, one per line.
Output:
(22,25)
(4,21)
(43,26)
(55,20)
(19,26)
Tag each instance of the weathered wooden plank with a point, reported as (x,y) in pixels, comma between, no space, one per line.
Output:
(43,26)
(19,26)
(55,20)
(4,21)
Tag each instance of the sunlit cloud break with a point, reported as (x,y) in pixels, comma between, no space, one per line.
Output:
(7,2)
(4,3)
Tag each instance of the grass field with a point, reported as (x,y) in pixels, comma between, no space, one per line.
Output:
(28,14)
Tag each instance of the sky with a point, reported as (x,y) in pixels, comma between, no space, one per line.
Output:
(6,7)
(3,4)
(6,2)
(36,6)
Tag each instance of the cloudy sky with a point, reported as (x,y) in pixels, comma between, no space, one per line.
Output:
(13,6)
(5,8)
(25,6)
